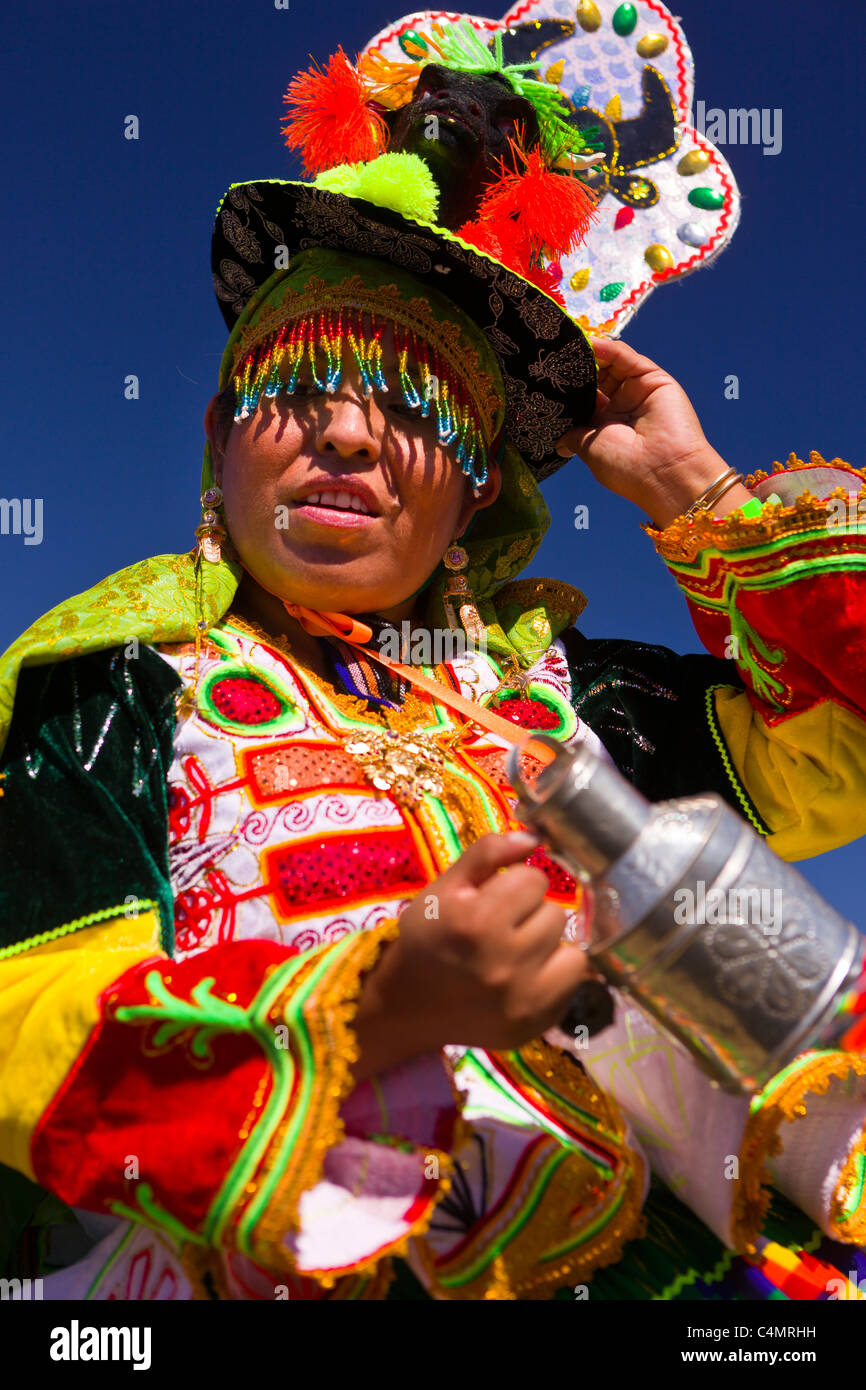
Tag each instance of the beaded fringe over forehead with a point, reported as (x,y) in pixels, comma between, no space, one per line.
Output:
(316,342)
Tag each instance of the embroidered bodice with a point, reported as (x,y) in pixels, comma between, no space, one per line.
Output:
(298,815)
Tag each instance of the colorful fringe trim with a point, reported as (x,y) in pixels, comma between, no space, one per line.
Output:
(316,341)
(801,1277)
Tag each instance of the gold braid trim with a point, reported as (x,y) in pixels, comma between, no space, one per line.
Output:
(794,464)
(387,302)
(850,1228)
(761,1140)
(683,540)
(204,1267)
(328,1017)
(529,593)
(520,1270)
(278,640)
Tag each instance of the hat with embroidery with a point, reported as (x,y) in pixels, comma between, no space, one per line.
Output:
(468,195)
(456,150)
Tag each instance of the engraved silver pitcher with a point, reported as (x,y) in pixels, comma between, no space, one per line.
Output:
(715,936)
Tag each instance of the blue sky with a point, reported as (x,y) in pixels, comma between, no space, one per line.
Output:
(108,273)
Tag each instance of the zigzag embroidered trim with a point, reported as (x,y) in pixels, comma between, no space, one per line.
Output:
(120,910)
(716,736)
(684,539)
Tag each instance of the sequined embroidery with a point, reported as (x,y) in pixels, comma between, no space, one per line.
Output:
(299,815)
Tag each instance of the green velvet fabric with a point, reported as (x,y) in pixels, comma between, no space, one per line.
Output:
(648,706)
(84,817)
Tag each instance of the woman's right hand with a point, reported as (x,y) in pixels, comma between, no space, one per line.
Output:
(479,961)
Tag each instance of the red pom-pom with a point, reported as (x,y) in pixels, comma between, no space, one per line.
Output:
(503,239)
(331,120)
(500,238)
(551,209)
(542,276)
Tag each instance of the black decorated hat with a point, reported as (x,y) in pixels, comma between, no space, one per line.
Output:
(547,362)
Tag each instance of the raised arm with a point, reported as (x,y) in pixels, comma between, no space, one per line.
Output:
(774,577)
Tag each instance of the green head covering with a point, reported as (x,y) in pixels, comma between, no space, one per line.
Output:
(329,298)
(170,598)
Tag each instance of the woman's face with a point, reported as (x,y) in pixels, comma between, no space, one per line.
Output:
(342,502)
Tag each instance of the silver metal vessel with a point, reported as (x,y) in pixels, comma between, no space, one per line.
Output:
(722,942)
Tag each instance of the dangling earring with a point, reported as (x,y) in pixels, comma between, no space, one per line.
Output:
(457,592)
(211,532)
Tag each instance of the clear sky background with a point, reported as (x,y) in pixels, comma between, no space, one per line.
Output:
(107,272)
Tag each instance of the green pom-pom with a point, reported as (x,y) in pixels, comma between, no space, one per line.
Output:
(401,182)
(342,178)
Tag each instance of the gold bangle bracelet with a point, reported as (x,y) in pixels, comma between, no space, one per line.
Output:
(714,492)
(737,478)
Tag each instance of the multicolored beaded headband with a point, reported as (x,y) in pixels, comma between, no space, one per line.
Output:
(318,338)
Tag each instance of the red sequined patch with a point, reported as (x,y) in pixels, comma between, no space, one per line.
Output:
(326,871)
(244,700)
(529,714)
(561,882)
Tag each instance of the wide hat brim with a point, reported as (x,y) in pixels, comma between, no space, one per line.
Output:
(547,362)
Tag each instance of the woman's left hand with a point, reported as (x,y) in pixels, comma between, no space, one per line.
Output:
(645,441)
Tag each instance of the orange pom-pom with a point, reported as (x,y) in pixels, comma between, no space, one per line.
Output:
(552,210)
(331,120)
(390,84)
